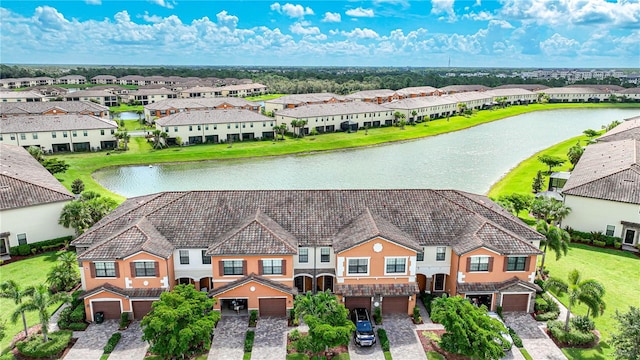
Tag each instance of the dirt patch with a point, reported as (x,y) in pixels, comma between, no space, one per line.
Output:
(430,345)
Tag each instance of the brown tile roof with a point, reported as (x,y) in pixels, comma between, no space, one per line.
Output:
(198,219)
(511,284)
(148,293)
(333,109)
(65,122)
(258,234)
(24,182)
(373,289)
(199,103)
(212,117)
(628,129)
(367,226)
(40,107)
(306,98)
(253,277)
(608,171)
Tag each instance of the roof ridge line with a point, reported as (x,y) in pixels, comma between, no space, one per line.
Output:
(38,185)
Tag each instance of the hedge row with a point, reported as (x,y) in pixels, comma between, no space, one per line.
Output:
(113,341)
(384,340)
(35,348)
(248,341)
(595,238)
(27,249)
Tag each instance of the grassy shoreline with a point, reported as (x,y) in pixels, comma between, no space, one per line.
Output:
(83,165)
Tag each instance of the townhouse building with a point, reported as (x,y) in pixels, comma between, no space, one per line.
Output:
(21,96)
(240,90)
(104,79)
(576,94)
(215,126)
(54,108)
(102,97)
(59,133)
(419,91)
(295,100)
(149,96)
(512,96)
(425,108)
(372,248)
(31,202)
(337,116)
(378,96)
(456,89)
(71,80)
(173,106)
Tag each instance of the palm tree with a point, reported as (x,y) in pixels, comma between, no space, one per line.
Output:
(140,112)
(157,135)
(11,290)
(64,275)
(318,305)
(124,136)
(550,210)
(74,216)
(589,292)
(281,129)
(397,116)
(301,124)
(40,299)
(413,116)
(556,239)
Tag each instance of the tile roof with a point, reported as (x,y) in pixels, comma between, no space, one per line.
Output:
(40,107)
(258,234)
(134,293)
(197,219)
(418,102)
(530,87)
(20,95)
(608,171)
(464,88)
(369,94)
(367,226)
(332,109)
(416,90)
(24,182)
(306,98)
(628,129)
(64,122)
(510,284)
(200,103)
(157,91)
(212,117)
(313,272)
(259,279)
(574,90)
(89,93)
(373,289)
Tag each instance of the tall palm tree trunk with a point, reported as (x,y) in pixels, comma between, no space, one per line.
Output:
(24,323)
(568,317)
(544,256)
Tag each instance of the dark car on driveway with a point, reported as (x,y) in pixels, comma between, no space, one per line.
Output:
(363,336)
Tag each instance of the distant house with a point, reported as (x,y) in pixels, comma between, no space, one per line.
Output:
(628,129)
(59,133)
(104,79)
(149,96)
(71,80)
(54,108)
(295,100)
(456,89)
(21,96)
(334,116)
(102,97)
(173,106)
(31,201)
(378,96)
(576,94)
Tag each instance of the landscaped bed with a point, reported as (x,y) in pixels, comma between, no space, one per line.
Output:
(292,352)
(429,344)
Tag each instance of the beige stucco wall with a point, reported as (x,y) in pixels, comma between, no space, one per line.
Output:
(45,138)
(39,222)
(222,130)
(594,215)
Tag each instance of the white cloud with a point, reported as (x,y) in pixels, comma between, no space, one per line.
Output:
(361,33)
(93,2)
(49,18)
(444,7)
(559,45)
(227,20)
(300,29)
(332,17)
(291,10)
(503,24)
(151,18)
(360,12)
(481,16)
(169,4)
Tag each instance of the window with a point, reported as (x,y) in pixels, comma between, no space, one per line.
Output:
(184,257)
(23,136)
(420,256)
(303,255)
(272,267)
(441,252)
(325,254)
(206,259)
(190,128)
(232,267)
(64,134)
(74,133)
(358,266)
(516,263)
(13,136)
(479,263)
(175,129)
(101,131)
(145,268)
(105,269)
(113,131)
(22,239)
(166,129)
(85,133)
(610,230)
(35,136)
(396,265)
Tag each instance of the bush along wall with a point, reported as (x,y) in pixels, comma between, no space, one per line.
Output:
(41,246)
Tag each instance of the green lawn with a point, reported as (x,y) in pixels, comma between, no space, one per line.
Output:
(29,272)
(125,107)
(82,165)
(264,97)
(617,271)
(134,125)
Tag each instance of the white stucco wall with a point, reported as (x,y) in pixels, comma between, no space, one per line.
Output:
(195,270)
(45,139)
(222,129)
(430,266)
(594,215)
(39,223)
(319,265)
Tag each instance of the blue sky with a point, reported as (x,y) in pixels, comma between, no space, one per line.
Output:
(475,33)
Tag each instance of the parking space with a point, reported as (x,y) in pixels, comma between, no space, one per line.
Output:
(403,340)
(271,339)
(131,346)
(228,338)
(365,353)
(91,342)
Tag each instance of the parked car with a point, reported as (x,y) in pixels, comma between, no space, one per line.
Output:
(508,343)
(363,336)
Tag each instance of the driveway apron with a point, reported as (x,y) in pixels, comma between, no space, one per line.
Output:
(130,346)
(365,353)
(403,339)
(228,338)
(271,339)
(91,342)
(534,339)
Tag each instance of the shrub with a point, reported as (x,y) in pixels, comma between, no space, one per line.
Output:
(384,340)
(416,315)
(113,341)
(516,339)
(24,250)
(541,305)
(248,341)
(499,311)
(79,326)
(253,318)
(78,314)
(75,301)
(377,315)
(599,243)
(426,301)
(124,320)
(572,337)
(583,323)
(35,348)
(65,314)
(540,283)
(294,335)
(552,304)
(550,315)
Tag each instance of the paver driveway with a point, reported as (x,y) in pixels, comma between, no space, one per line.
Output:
(365,353)
(403,339)
(228,338)
(534,339)
(271,339)
(91,342)
(130,346)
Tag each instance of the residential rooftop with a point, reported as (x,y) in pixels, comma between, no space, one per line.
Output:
(212,117)
(332,109)
(39,107)
(67,122)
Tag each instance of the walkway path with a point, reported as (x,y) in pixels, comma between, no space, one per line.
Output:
(131,346)
(534,338)
(91,342)
(228,338)
(271,339)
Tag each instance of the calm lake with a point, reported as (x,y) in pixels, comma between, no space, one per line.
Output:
(470,160)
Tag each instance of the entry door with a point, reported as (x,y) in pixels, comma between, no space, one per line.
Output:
(629,235)
(3,246)
(438,283)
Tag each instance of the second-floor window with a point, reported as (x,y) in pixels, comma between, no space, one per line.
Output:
(479,263)
(420,256)
(105,269)
(441,253)
(396,265)
(145,268)
(232,267)
(272,267)
(184,257)
(358,266)
(206,259)
(303,255)
(516,263)
(325,255)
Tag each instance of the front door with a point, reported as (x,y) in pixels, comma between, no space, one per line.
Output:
(629,236)
(4,249)
(438,283)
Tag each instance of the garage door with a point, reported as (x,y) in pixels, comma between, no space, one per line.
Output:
(395,304)
(141,308)
(353,302)
(111,309)
(273,307)
(515,302)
